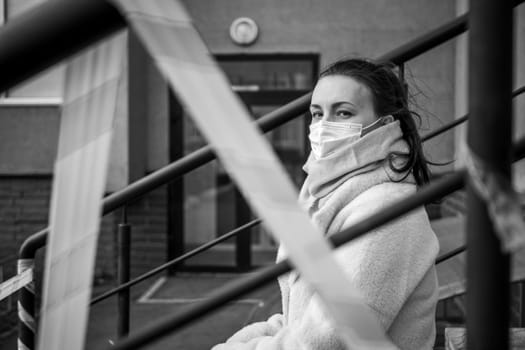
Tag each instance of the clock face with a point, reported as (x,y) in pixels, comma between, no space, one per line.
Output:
(244,31)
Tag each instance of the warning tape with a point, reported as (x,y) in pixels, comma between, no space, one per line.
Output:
(86,126)
(15,283)
(503,202)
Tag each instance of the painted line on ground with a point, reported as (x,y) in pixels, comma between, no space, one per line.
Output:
(147,297)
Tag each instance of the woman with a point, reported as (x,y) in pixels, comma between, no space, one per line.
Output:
(366,155)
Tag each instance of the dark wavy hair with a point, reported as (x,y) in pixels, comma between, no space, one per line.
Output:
(389,98)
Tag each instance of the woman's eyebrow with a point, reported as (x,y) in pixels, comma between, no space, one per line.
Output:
(337,104)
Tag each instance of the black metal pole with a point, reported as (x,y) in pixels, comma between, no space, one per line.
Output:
(45,35)
(450,254)
(124,247)
(243,243)
(489,137)
(175,189)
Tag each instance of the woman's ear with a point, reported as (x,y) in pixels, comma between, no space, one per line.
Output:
(387,119)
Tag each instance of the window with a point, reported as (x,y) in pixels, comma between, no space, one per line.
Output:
(43,88)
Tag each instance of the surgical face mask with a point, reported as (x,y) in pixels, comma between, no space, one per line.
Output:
(326,137)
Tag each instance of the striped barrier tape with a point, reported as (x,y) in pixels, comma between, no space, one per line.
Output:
(25,306)
(86,126)
(23,278)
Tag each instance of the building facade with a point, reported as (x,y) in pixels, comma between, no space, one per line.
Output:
(296,38)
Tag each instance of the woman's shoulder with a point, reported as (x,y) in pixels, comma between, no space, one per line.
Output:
(378,198)
(409,234)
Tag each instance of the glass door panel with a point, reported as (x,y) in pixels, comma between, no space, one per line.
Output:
(213,205)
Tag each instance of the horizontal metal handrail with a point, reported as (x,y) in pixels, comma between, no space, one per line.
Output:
(242,286)
(461,120)
(176,261)
(444,128)
(448,255)
(42,37)
(458,121)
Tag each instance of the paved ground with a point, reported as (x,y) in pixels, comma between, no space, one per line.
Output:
(159,298)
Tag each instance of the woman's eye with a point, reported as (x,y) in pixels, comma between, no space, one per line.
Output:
(317,115)
(344,114)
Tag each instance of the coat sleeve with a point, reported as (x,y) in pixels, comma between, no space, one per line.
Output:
(314,331)
(258,329)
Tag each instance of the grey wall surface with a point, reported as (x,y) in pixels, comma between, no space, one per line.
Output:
(329,28)
(28,139)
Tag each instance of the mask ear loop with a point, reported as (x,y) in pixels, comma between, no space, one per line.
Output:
(387,119)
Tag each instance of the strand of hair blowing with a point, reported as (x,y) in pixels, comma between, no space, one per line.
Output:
(390,98)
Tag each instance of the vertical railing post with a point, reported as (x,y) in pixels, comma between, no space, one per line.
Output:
(26,308)
(243,241)
(124,247)
(175,189)
(26,296)
(489,138)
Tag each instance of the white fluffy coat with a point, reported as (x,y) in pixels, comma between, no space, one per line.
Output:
(392,266)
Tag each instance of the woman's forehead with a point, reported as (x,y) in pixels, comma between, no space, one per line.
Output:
(337,88)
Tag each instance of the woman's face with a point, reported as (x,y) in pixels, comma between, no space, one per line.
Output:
(339,98)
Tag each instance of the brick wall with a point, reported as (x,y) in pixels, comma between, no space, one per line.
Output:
(147,217)
(24,206)
(24,203)
(24,210)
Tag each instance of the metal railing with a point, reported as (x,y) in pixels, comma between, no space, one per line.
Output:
(60,27)
(241,229)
